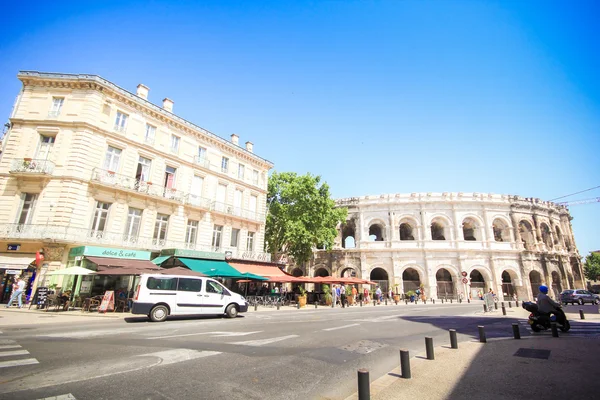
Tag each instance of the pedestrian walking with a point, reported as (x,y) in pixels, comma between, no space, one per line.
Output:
(343,295)
(354,293)
(378,295)
(338,293)
(17,293)
(334,293)
(366,295)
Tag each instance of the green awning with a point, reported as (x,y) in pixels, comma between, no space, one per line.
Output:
(214,268)
(160,260)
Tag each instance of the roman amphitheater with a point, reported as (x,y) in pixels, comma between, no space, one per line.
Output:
(454,245)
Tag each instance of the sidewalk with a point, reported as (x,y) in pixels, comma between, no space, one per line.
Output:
(565,367)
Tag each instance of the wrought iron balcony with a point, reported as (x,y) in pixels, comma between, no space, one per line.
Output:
(236,211)
(197,201)
(149,140)
(110,178)
(53,114)
(32,166)
(119,128)
(202,161)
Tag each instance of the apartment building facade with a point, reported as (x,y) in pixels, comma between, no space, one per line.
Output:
(86,162)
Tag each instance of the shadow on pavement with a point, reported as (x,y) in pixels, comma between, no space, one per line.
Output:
(144,319)
(468,325)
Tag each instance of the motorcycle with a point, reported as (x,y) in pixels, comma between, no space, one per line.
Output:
(541,321)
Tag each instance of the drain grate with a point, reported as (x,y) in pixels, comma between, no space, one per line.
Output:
(533,353)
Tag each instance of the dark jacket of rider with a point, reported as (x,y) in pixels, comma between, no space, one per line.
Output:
(546,304)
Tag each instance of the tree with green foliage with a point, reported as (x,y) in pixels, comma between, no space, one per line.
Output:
(301,215)
(591,268)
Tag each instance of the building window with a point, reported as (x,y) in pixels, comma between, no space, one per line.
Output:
(175,143)
(255,177)
(160,228)
(112,158)
(235,238)
(27,205)
(100,215)
(143,169)
(224,164)
(132,229)
(45,147)
(121,122)
(170,177)
(201,154)
(150,133)
(197,184)
(216,239)
(237,201)
(250,241)
(241,171)
(191,232)
(252,207)
(57,103)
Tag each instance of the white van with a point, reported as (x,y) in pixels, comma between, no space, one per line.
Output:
(159,296)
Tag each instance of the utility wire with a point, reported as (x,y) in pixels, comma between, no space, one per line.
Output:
(573,194)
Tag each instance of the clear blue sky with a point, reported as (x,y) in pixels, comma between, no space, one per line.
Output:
(374,96)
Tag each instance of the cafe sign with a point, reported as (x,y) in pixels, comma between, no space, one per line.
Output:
(109,252)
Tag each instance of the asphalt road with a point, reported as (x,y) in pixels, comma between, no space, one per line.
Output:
(286,354)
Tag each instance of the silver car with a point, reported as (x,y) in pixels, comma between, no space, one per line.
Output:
(578,296)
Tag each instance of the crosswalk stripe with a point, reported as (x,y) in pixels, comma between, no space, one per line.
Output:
(10,346)
(7,341)
(261,342)
(179,355)
(340,327)
(16,363)
(61,397)
(13,353)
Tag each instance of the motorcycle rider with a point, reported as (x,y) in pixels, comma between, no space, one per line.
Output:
(546,305)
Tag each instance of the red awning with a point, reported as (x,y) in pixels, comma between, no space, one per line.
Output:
(123,266)
(272,273)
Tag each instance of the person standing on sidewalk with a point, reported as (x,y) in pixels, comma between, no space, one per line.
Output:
(333,295)
(354,293)
(343,295)
(17,293)
(378,295)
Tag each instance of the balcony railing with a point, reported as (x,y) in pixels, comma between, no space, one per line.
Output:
(197,201)
(236,211)
(31,166)
(95,237)
(149,140)
(202,161)
(110,178)
(53,114)
(119,128)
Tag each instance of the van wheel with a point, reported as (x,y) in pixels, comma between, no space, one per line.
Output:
(231,311)
(159,314)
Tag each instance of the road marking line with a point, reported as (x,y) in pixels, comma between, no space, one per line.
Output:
(7,341)
(13,353)
(179,355)
(16,363)
(213,334)
(9,346)
(90,334)
(61,397)
(340,327)
(261,342)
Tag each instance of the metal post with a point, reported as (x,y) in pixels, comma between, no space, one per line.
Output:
(516,333)
(510,304)
(482,338)
(442,300)
(405,364)
(453,340)
(459,300)
(316,305)
(581,314)
(396,301)
(386,302)
(433,301)
(503,310)
(298,305)
(374,302)
(495,306)
(468,300)
(516,303)
(361,303)
(255,306)
(484,308)
(554,329)
(278,305)
(364,390)
(425,301)
(429,348)
(450,300)
(405,301)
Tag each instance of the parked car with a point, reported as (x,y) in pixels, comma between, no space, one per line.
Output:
(579,296)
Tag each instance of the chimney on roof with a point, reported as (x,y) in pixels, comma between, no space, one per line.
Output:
(249,146)
(168,104)
(235,139)
(142,91)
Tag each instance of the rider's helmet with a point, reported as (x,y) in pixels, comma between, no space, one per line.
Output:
(544,289)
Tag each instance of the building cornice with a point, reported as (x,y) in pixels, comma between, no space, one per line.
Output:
(95,82)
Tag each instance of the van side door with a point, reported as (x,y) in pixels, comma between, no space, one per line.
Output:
(216,297)
(189,296)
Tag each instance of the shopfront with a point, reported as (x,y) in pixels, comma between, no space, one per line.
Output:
(115,269)
(13,266)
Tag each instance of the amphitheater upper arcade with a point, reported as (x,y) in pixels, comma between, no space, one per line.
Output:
(438,241)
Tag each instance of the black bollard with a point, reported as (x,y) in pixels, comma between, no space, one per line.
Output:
(482,338)
(510,304)
(516,333)
(516,303)
(425,301)
(495,306)
(396,301)
(278,305)
(453,340)
(554,329)
(316,305)
(442,300)
(361,303)
(298,305)
(469,301)
(386,302)
(333,304)
(255,306)
(429,348)
(364,390)
(374,302)
(459,300)
(450,300)
(433,300)
(484,308)
(405,301)
(405,364)
(581,314)
(503,310)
